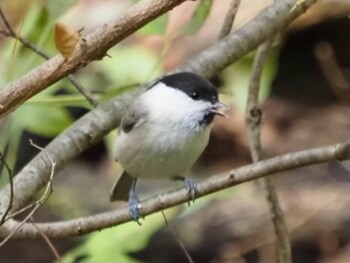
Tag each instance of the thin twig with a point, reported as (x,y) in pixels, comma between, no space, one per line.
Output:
(48,241)
(86,93)
(9,171)
(253,122)
(22,210)
(6,24)
(25,42)
(41,201)
(5,33)
(284,253)
(337,80)
(253,109)
(173,232)
(229,18)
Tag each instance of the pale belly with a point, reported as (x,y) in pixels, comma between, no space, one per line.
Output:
(160,156)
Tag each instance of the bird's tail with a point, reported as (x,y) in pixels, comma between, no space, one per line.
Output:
(121,188)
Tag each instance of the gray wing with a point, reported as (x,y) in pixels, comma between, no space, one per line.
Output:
(133,117)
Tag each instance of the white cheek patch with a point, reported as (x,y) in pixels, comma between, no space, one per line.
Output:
(166,103)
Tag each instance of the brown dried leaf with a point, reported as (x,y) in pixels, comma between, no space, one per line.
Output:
(66,39)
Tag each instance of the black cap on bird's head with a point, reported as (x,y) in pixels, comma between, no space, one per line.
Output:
(194,86)
(197,88)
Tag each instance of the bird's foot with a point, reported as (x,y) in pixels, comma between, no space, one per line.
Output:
(134,207)
(192,190)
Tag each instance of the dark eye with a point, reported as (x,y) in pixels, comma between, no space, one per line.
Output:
(194,96)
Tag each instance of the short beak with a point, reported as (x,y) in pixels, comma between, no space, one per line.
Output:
(219,108)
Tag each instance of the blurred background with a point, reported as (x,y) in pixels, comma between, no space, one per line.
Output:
(306,103)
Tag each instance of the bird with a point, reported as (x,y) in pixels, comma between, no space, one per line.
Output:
(163,133)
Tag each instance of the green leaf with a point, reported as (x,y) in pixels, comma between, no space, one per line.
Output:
(113,245)
(57,8)
(238,75)
(113,92)
(10,138)
(200,15)
(130,65)
(46,121)
(155,27)
(38,25)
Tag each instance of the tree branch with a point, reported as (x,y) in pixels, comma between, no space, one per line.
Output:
(97,45)
(229,18)
(85,225)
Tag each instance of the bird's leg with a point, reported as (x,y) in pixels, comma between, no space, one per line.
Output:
(191,187)
(134,204)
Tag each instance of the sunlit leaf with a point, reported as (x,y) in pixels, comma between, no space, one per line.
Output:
(117,91)
(33,21)
(130,65)
(199,17)
(10,138)
(155,27)
(112,245)
(45,121)
(78,100)
(238,75)
(297,4)
(57,8)
(69,100)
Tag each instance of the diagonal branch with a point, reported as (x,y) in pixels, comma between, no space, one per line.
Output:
(229,18)
(94,125)
(85,225)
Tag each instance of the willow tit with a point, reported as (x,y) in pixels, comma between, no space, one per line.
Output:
(164,132)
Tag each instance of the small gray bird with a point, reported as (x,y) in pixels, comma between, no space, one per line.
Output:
(164,132)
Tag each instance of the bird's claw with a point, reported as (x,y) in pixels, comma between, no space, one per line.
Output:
(134,207)
(192,190)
